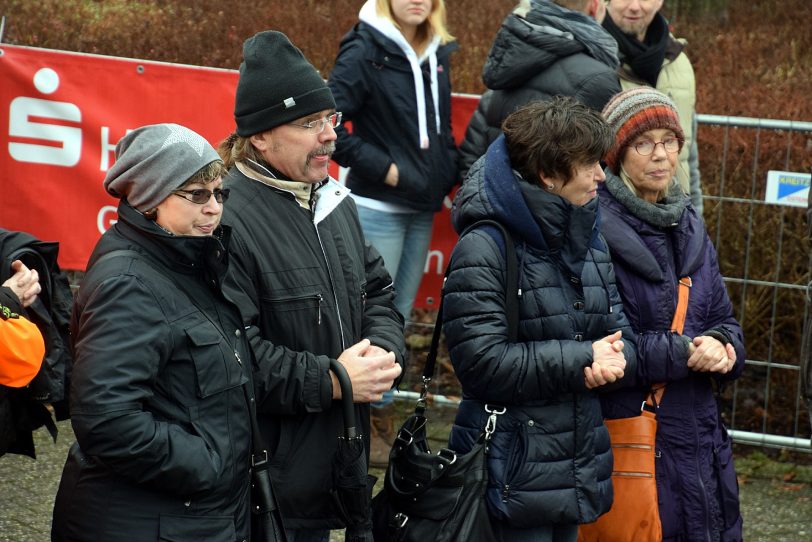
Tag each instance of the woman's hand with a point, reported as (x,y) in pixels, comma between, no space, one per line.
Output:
(24,283)
(608,362)
(392,176)
(707,354)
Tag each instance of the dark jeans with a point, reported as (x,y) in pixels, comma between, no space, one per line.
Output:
(308,535)
(553,533)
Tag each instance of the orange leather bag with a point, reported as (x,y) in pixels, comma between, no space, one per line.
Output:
(634,516)
(21,349)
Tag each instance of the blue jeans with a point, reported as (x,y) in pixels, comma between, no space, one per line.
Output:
(403,241)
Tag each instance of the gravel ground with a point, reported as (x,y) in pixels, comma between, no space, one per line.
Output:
(774,510)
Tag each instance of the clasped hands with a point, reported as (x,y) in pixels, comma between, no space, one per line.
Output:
(608,362)
(708,355)
(372,371)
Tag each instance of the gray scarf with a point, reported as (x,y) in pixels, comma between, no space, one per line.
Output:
(663,214)
(578,26)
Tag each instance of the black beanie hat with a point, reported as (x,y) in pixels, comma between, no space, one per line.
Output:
(277,85)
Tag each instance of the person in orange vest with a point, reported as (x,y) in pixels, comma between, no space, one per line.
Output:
(21,345)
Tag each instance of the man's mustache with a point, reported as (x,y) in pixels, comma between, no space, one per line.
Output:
(328,149)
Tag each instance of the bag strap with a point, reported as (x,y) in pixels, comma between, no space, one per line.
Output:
(512,295)
(683,292)
(677,326)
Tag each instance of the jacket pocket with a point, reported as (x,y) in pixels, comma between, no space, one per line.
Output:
(196,528)
(515,462)
(309,305)
(727,486)
(216,365)
(413,180)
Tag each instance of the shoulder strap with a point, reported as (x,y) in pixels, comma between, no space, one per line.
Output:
(683,291)
(677,326)
(512,295)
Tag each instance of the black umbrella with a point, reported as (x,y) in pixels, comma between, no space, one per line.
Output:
(352,486)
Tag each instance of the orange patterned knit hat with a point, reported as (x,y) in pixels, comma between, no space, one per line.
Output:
(634,111)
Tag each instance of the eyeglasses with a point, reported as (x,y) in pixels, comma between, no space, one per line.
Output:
(201,196)
(317,126)
(647,146)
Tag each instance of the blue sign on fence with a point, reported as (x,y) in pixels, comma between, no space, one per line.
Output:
(787,188)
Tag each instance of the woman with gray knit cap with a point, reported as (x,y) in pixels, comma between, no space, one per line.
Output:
(159,394)
(657,240)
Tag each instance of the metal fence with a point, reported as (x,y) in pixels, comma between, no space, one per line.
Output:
(764,256)
(765,259)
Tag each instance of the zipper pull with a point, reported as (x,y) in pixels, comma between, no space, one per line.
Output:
(237,357)
(320,300)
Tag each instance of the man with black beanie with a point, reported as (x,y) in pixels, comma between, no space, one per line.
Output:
(651,56)
(310,288)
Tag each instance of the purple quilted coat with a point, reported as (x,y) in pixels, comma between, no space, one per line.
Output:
(652,246)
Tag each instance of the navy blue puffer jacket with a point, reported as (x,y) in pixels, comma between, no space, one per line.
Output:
(550,461)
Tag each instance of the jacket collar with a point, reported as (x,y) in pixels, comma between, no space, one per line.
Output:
(533,215)
(642,62)
(191,255)
(625,232)
(267,174)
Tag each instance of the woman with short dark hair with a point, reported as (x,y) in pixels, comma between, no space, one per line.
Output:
(550,461)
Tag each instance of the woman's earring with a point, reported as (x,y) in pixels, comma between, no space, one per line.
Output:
(550,187)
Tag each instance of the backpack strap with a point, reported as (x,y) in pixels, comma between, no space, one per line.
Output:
(512,294)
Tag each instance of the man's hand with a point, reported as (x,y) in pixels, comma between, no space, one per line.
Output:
(372,371)
(24,283)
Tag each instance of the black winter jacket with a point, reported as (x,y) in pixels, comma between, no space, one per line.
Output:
(308,291)
(157,402)
(525,65)
(374,88)
(550,460)
(23,410)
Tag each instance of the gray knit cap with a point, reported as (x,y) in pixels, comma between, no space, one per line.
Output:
(154,160)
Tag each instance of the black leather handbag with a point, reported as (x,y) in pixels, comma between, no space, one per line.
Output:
(440,497)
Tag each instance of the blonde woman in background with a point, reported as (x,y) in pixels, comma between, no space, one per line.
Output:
(391,80)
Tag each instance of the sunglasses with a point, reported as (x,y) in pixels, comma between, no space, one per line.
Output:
(202,196)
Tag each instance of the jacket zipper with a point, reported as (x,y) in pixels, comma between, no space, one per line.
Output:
(636,474)
(702,488)
(318,297)
(332,286)
(512,465)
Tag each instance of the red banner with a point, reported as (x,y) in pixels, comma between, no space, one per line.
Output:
(66,111)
